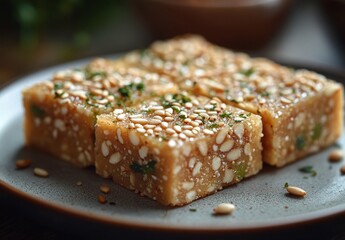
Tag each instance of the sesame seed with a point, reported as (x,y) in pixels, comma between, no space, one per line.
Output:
(285,100)
(23,163)
(188,133)
(170,131)
(224,209)
(187,127)
(296,191)
(150,131)
(234,154)
(40,172)
(149,126)
(189,105)
(102,199)
(136,116)
(177,128)
(182,136)
(158,117)
(79,183)
(194,123)
(208,132)
(165,124)
(187,120)
(156,107)
(159,112)
(155,121)
(121,117)
(157,129)
(138,125)
(168,119)
(336,155)
(200,111)
(104,189)
(139,120)
(141,130)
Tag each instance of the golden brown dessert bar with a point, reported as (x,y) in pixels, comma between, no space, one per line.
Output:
(302,111)
(60,114)
(178,148)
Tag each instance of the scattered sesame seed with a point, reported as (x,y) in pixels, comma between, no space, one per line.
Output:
(23,163)
(79,183)
(104,189)
(102,199)
(224,209)
(336,155)
(40,172)
(296,191)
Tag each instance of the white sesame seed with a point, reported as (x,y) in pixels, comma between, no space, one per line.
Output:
(196,169)
(177,128)
(170,131)
(143,151)
(182,136)
(149,126)
(247,149)
(188,105)
(40,172)
(135,116)
(115,158)
(228,176)
(150,131)
(131,125)
(169,111)
(227,145)
(141,130)
(188,133)
(140,120)
(209,106)
(200,111)
(187,120)
(239,130)
(224,208)
(285,100)
(216,163)
(190,196)
(187,127)
(296,191)
(157,129)
(156,107)
(172,143)
(121,117)
(118,111)
(168,119)
(105,149)
(159,112)
(208,132)
(194,124)
(138,125)
(202,146)
(119,135)
(234,154)
(221,135)
(155,121)
(195,131)
(158,117)
(165,124)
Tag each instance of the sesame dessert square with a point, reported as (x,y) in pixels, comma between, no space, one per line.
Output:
(177,148)
(60,114)
(302,111)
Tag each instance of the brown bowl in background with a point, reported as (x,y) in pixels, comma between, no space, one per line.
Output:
(238,24)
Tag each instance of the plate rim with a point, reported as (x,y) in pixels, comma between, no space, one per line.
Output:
(57,208)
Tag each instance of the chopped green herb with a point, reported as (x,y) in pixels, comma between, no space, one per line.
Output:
(286,185)
(144,52)
(317,130)
(308,169)
(192,209)
(182,116)
(265,94)
(125,91)
(300,142)
(247,72)
(144,169)
(37,111)
(225,114)
(240,171)
(242,115)
(175,108)
(89,74)
(130,110)
(140,87)
(213,125)
(58,86)
(181,98)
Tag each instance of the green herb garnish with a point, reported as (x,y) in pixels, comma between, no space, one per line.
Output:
(143,169)
(37,111)
(213,125)
(192,209)
(240,171)
(225,114)
(265,94)
(300,142)
(125,91)
(247,72)
(317,130)
(140,87)
(308,169)
(286,185)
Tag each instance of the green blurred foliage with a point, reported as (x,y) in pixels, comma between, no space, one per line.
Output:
(30,20)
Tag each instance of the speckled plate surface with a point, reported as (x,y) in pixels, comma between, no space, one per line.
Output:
(261,200)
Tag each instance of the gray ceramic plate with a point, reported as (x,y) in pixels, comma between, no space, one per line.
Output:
(261,200)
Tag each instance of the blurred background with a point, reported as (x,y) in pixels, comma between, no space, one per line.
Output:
(35,34)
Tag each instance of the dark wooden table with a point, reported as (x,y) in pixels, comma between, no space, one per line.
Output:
(305,38)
